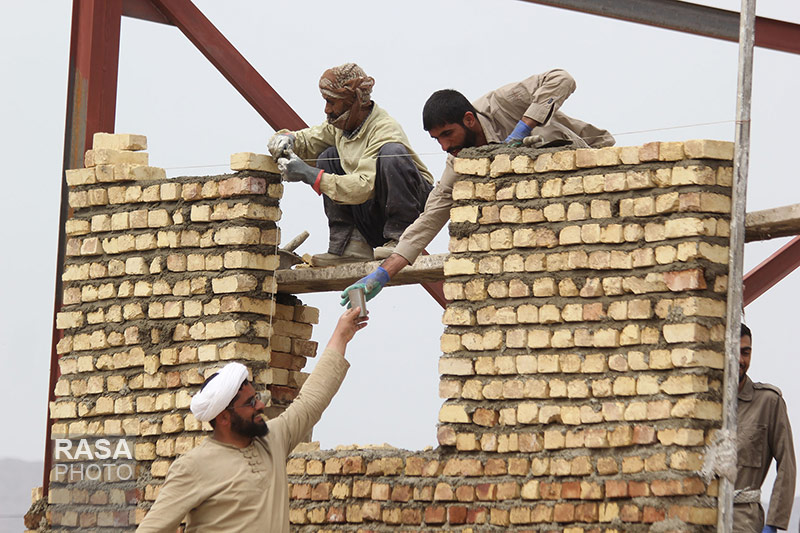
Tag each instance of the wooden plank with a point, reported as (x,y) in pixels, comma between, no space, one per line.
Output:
(427,268)
(772,223)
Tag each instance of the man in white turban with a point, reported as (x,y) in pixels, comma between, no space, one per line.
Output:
(372,183)
(236,480)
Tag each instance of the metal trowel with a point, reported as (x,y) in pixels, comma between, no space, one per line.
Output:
(286,254)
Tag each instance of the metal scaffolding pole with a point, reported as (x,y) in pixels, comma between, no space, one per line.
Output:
(736,256)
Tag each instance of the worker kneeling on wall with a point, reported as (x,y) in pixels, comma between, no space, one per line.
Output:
(372,183)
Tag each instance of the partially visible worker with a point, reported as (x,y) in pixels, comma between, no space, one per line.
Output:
(528,109)
(372,182)
(763,433)
(236,480)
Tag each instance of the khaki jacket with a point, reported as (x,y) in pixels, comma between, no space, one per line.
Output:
(221,488)
(763,433)
(539,98)
(358,155)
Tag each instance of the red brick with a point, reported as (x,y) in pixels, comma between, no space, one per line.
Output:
(457,514)
(495,467)
(354,465)
(593,311)
(564,512)
(300,492)
(402,493)
(173,380)
(485,417)
(644,434)
(242,186)
(550,491)
(282,395)
(336,515)
(477,515)
(638,488)
(486,491)
(321,492)
(571,490)
(435,515)
(616,488)
(685,280)
(652,514)
(693,485)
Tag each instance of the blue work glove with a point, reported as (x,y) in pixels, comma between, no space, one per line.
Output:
(293,168)
(371,284)
(769,529)
(521,131)
(281,144)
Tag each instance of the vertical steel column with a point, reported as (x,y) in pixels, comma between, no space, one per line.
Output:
(736,257)
(91,106)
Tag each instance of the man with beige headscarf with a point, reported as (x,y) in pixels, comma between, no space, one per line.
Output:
(372,182)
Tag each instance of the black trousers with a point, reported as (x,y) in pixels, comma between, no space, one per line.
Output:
(399,197)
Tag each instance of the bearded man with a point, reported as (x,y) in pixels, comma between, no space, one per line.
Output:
(236,481)
(372,182)
(763,433)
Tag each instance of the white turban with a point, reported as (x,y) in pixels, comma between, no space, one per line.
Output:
(218,393)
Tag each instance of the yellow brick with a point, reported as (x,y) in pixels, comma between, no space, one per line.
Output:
(501,164)
(252,161)
(475,167)
(453,414)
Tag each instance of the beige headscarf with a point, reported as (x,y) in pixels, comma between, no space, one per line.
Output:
(346,82)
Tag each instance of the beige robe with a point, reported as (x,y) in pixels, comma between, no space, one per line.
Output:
(538,97)
(358,155)
(221,488)
(763,433)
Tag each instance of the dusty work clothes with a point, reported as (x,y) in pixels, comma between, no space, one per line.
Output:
(398,199)
(763,433)
(539,98)
(359,157)
(222,488)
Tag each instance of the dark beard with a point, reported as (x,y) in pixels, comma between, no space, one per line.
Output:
(470,140)
(247,428)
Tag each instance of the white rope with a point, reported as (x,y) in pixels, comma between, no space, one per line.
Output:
(442,153)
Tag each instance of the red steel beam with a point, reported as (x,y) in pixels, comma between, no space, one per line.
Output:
(221,53)
(778,35)
(688,17)
(144,10)
(91,106)
(771,271)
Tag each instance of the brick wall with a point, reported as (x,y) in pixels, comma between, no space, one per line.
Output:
(164,282)
(582,355)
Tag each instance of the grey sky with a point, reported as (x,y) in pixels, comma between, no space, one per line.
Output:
(630,78)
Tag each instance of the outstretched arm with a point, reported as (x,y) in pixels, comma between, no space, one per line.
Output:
(349,323)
